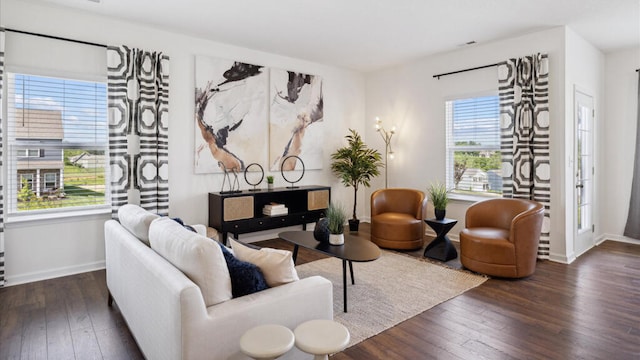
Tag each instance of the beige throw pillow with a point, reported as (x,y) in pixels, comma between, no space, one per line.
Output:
(277,265)
(137,220)
(197,256)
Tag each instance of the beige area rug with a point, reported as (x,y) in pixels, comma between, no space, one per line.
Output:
(389,290)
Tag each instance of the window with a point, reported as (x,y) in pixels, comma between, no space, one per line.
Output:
(67,120)
(26,180)
(29,153)
(50,181)
(473,146)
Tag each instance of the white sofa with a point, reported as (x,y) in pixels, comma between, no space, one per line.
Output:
(166,311)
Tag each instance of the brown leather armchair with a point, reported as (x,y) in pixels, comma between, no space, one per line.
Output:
(397,218)
(501,237)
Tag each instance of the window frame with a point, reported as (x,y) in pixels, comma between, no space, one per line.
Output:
(12,213)
(451,148)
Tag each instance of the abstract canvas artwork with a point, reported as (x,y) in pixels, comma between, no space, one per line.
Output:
(295,122)
(231,113)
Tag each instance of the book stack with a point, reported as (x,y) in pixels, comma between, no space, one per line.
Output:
(275,209)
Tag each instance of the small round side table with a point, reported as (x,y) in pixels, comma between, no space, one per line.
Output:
(321,338)
(266,341)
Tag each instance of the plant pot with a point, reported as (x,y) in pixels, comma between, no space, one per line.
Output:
(269,186)
(440,213)
(336,239)
(354,224)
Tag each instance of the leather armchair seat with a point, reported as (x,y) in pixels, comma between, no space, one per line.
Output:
(501,237)
(397,218)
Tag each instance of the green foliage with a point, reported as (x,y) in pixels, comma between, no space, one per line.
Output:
(336,218)
(269,179)
(26,194)
(356,164)
(439,195)
(463,160)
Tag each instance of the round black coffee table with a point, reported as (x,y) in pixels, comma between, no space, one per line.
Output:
(354,249)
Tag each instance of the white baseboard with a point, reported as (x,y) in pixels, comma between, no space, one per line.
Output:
(53,273)
(620,238)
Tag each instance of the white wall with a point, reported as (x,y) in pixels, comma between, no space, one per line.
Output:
(40,249)
(619,128)
(409,96)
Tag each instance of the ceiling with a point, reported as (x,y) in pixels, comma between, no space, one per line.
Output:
(367,35)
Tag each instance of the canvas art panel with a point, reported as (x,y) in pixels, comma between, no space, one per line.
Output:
(231,112)
(295,121)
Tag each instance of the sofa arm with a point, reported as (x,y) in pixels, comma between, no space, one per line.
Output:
(218,334)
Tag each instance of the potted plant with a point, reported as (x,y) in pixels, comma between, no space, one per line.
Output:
(269,182)
(439,196)
(355,165)
(335,223)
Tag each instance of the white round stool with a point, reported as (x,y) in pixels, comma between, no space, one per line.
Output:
(321,338)
(266,341)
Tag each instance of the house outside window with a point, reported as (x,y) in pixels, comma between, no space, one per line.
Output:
(51,121)
(473,146)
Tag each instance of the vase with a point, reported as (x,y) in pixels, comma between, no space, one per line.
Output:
(269,186)
(440,213)
(321,230)
(336,239)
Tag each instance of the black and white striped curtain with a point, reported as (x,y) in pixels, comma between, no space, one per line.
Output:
(138,88)
(1,164)
(524,121)
(632,228)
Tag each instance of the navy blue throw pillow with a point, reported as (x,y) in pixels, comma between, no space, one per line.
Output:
(246,278)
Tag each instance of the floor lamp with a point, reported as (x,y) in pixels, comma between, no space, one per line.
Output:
(388,153)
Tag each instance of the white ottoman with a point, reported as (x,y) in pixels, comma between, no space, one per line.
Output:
(266,341)
(321,337)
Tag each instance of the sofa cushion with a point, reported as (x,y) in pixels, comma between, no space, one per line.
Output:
(137,220)
(198,257)
(276,265)
(246,278)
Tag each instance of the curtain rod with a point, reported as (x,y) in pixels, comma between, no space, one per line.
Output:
(465,70)
(55,37)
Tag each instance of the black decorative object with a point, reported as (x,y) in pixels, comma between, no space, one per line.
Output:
(321,231)
(282,171)
(259,181)
(440,213)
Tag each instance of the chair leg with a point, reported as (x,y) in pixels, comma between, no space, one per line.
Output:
(109,299)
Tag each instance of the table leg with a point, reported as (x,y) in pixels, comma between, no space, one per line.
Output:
(344,283)
(295,254)
(353,282)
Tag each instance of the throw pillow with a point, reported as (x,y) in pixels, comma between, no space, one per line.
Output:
(246,278)
(198,257)
(276,265)
(136,220)
(188,227)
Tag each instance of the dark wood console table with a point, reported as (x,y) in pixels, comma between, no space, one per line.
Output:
(241,212)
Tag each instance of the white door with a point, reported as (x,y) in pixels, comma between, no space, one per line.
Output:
(584,172)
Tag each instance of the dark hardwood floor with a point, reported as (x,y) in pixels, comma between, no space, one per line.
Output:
(587,310)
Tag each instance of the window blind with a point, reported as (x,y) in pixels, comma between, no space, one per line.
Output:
(473,145)
(57,143)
